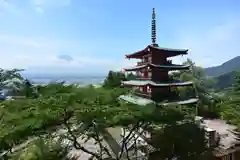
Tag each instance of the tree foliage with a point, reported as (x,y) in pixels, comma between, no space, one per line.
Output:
(11,80)
(58,106)
(70,112)
(231,106)
(114,79)
(179,141)
(207,99)
(41,149)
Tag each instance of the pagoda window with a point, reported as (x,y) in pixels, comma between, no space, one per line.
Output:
(149,74)
(145,59)
(149,89)
(145,74)
(135,88)
(149,59)
(138,73)
(140,89)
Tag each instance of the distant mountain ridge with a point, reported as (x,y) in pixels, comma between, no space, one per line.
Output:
(225,73)
(229,66)
(225,80)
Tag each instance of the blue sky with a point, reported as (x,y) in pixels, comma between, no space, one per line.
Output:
(92,36)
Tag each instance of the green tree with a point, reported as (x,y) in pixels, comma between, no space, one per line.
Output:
(11,80)
(236,85)
(207,99)
(130,76)
(70,112)
(41,149)
(114,79)
(179,141)
(231,107)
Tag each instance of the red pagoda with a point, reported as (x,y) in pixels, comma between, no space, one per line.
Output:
(154,83)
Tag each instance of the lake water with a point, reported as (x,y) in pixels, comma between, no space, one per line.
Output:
(70,80)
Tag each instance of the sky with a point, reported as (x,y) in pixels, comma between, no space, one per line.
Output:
(92,36)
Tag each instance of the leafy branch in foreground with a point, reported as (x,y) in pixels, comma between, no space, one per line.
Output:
(45,149)
(80,113)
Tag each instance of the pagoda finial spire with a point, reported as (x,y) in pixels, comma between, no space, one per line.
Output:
(154,27)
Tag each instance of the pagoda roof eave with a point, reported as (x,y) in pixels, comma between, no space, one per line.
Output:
(183,102)
(151,83)
(169,67)
(136,67)
(137,54)
(144,101)
(174,52)
(181,51)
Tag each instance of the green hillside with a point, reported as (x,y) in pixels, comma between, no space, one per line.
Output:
(224,74)
(224,68)
(225,80)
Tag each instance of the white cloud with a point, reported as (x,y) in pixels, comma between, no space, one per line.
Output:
(208,48)
(51,3)
(42,54)
(23,6)
(215,45)
(39,9)
(4,4)
(41,5)
(7,6)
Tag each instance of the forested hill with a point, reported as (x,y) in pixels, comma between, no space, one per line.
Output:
(225,73)
(225,80)
(225,68)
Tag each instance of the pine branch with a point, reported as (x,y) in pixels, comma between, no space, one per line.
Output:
(79,146)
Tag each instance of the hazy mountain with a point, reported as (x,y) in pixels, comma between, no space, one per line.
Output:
(225,73)
(77,78)
(229,66)
(225,80)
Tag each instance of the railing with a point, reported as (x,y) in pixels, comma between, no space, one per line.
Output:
(169,62)
(143,94)
(144,61)
(143,78)
(141,63)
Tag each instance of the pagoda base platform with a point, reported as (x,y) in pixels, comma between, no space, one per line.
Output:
(144,101)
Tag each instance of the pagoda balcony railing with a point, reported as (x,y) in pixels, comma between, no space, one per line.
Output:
(142,94)
(143,62)
(169,62)
(143,78)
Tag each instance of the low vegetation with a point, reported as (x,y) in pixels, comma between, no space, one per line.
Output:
(48,122)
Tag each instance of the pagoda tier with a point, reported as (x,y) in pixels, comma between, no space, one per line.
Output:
(156,91)
(155,84)
(169,67)
(164,52)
